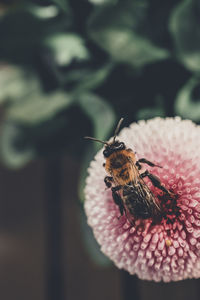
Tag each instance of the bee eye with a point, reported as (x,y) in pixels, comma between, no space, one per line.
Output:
(106,153)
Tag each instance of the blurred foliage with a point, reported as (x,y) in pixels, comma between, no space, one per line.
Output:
(116,29)
(187,103)
(184,26)
(71,68)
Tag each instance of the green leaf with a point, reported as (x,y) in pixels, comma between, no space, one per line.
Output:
(15,151)
(43,12)
(127,47)
(26,102)
(93,79)
(185,29)
(117,29)
(16,83)
(38,107)
(185,106)
(66,47)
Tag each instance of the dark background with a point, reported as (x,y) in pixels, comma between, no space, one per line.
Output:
(70,68)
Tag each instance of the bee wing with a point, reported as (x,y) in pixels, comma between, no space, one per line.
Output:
(143,190)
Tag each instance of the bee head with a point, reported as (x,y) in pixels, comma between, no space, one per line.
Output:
(113,147)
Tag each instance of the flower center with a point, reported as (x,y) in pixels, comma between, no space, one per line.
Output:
(169,209)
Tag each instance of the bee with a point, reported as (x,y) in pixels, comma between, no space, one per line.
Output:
(126,181)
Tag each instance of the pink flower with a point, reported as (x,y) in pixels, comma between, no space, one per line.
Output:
(162,251)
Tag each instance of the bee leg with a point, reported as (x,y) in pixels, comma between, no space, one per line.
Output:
(118,200)
(155,180)
(116,188)
(138,165)
(108,181)
(145,161)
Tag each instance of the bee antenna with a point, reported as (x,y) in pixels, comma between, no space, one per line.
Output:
(117,129)
(96,140)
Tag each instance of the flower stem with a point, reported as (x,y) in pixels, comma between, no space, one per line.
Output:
(130,288)
(54,270)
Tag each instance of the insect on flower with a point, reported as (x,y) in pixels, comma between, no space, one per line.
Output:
(167,248)
(126,181)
